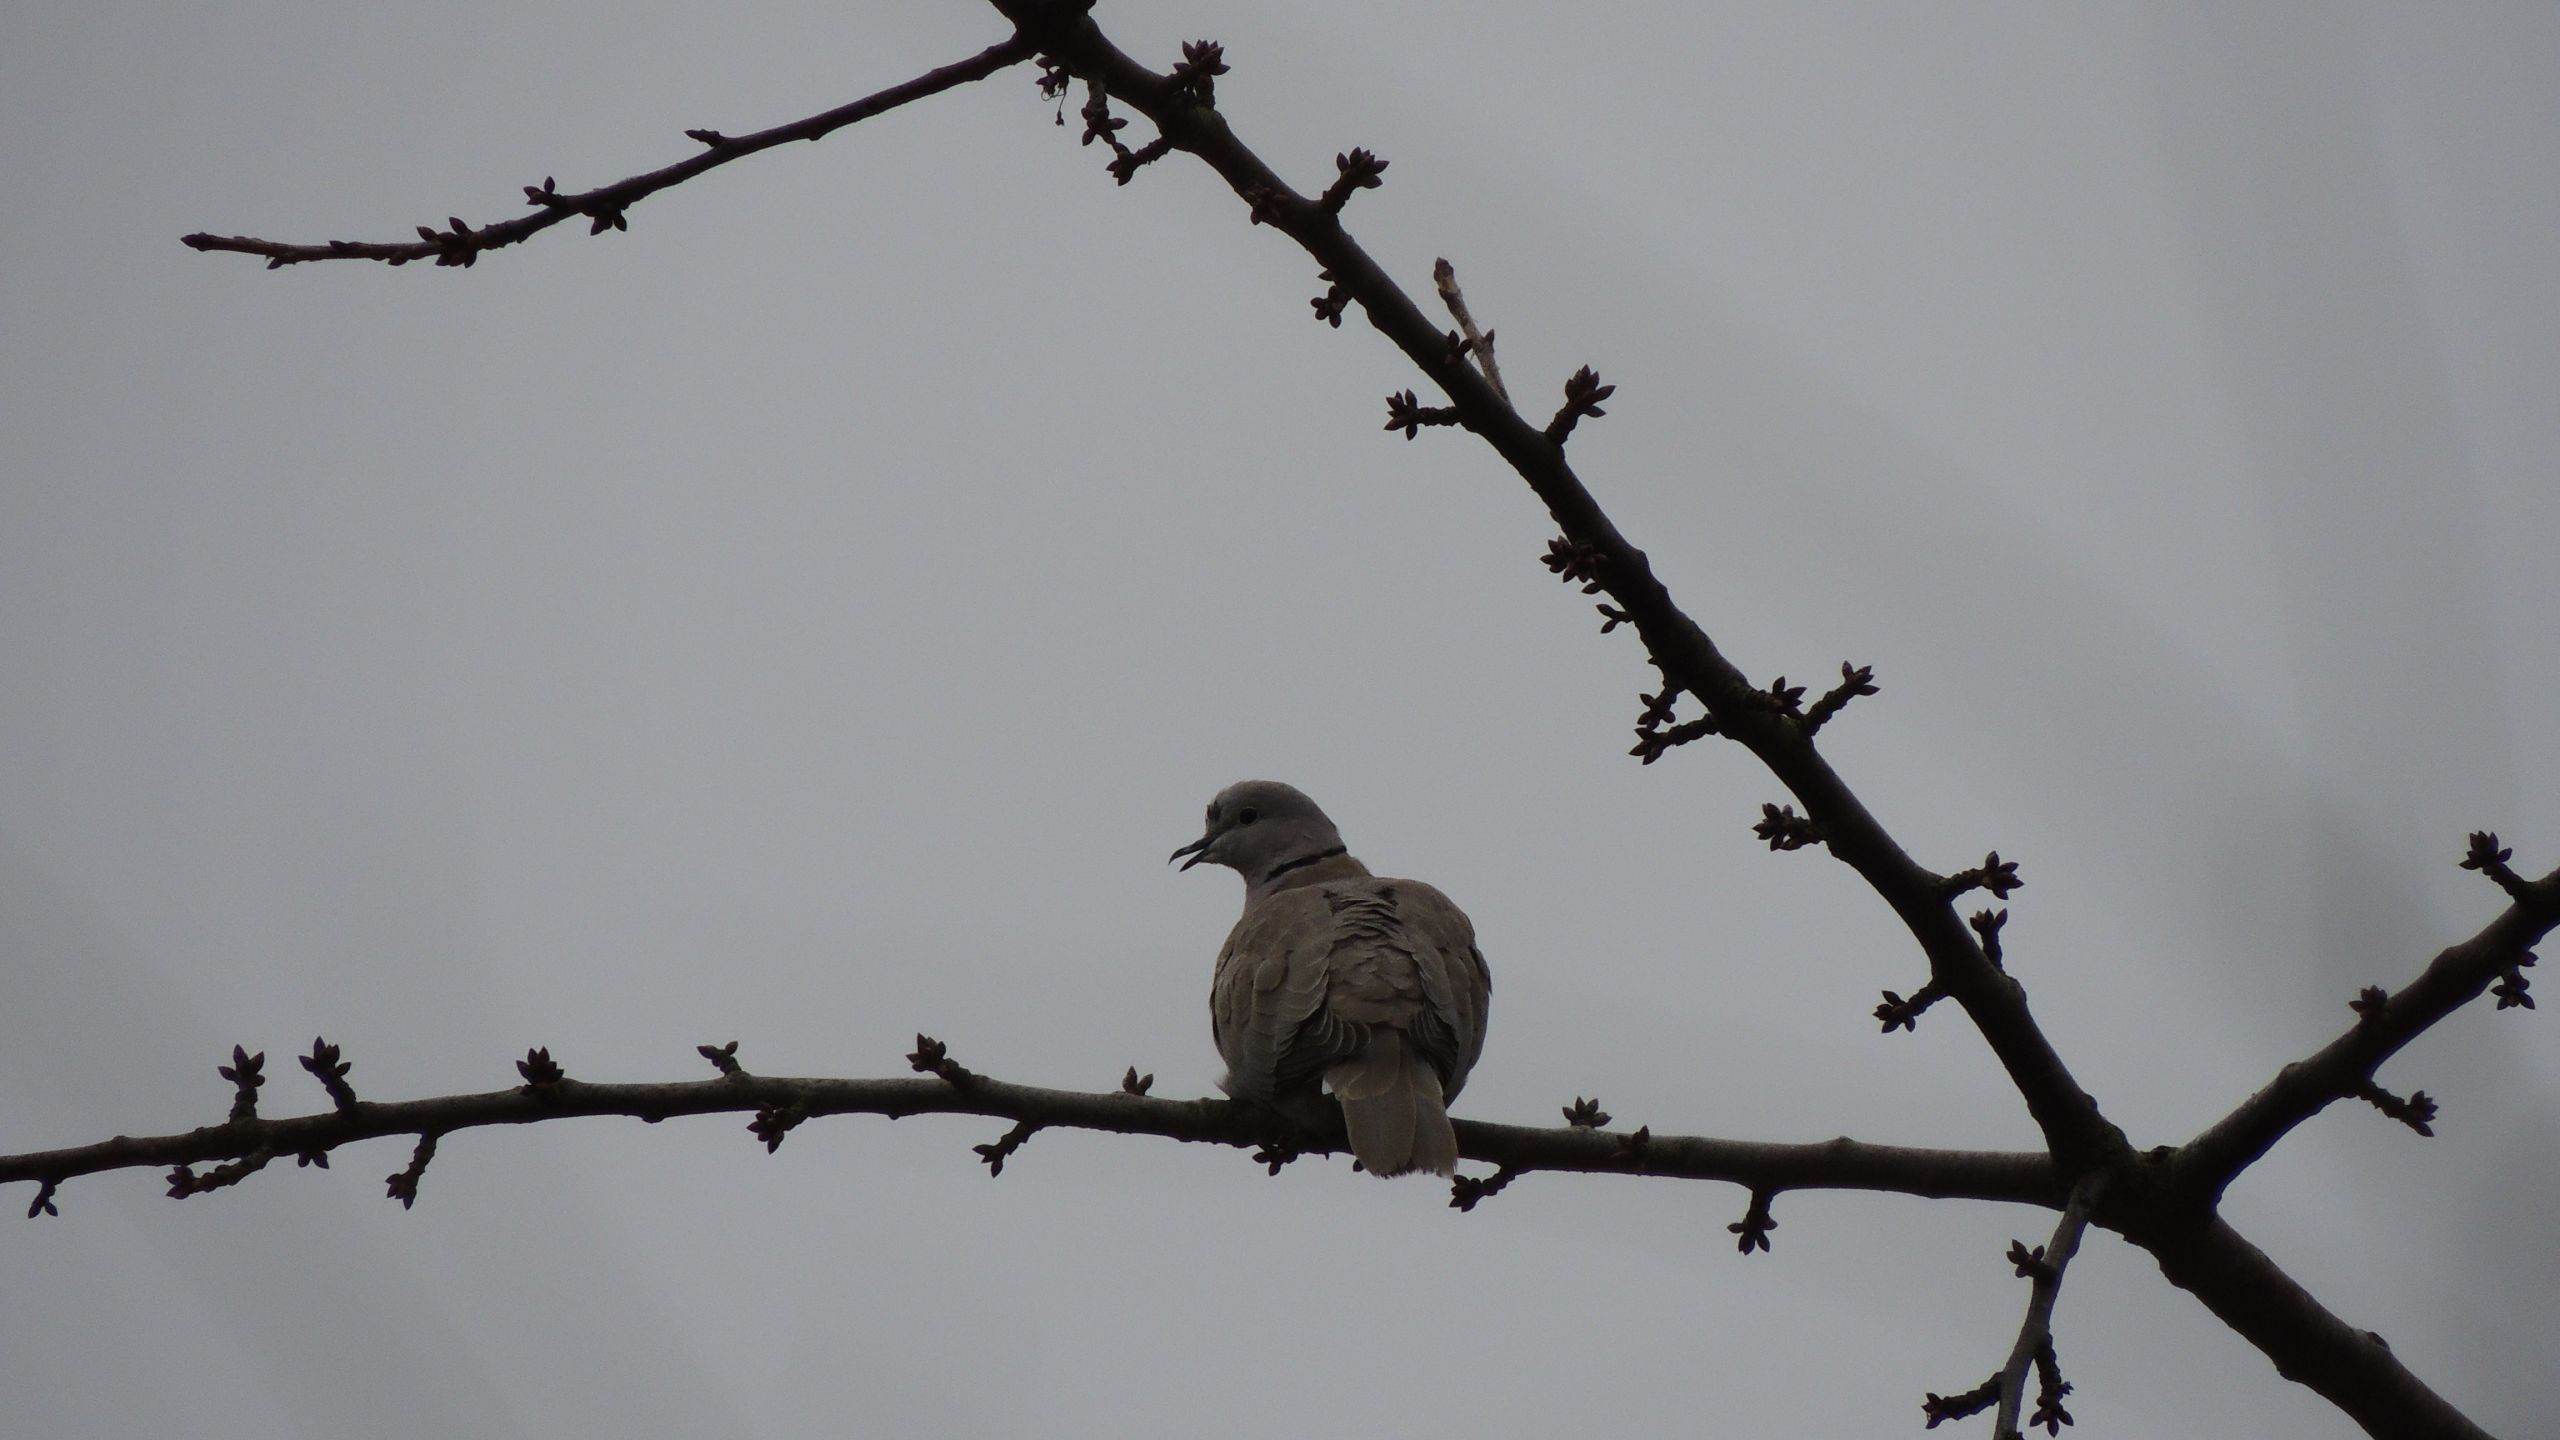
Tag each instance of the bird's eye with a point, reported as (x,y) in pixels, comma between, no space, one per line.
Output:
(1247,815)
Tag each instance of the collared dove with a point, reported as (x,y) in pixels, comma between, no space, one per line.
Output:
(1371,986)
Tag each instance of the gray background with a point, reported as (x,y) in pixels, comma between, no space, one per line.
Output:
(811,617)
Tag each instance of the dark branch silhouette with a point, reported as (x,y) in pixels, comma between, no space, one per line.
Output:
(460,244)
(2162,1200)
(2344,1067)
(240,1146)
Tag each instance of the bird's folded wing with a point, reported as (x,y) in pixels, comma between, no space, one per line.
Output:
(1307,972)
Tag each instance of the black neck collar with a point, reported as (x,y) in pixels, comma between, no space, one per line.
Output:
(1303,861)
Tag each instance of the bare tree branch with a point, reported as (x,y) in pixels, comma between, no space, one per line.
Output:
(2458,975)
(460,244)
(780,1103)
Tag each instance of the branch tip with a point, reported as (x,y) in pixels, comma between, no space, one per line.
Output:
(776,1121)
(1405,412)
(1575,562)
(1987,925)
(1783,829)
(245,1072)
(1353,170)
(403,1187)
(1855,680)
(326,1065)
(1994,874)
(1751,1232)
(2490,858)
(1466,1190)
(932,1057)
(1195,77)
(539,1070)
(1899,1013)
(1012,1140)
(2418,1112)
(1273,1154)
(1582,396)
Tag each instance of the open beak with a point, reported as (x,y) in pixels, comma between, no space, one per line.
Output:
(1193,850)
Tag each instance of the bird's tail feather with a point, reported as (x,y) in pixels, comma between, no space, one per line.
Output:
(1393,1110)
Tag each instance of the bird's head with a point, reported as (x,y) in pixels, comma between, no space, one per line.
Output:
(1261,829)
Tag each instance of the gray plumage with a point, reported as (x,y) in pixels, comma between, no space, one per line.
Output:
(1368,987)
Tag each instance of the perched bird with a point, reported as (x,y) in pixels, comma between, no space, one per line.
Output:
(1369,986)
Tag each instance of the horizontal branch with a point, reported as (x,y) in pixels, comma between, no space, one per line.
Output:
(604,206)
(2206,1165)
(2021,1177)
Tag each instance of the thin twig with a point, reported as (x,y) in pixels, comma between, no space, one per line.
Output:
(2035,1334)
(2023,1177)
(1444,277)
(460,244)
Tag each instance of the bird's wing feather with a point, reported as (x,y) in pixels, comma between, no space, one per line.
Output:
(1307,973)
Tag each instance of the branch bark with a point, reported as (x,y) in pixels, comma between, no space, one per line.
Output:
(2020,1177)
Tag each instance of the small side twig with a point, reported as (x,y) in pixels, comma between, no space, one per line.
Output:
(539,1070)
(404,1186)
(1994,874)
(775,1121)
(932,1057)
(1466,1190)
(1477,343)
(330,1069)
(184,1181)
(1751,1232)
(1899,1012)
(245,1074)
(2043,1266)
(1987,925)
(1353,170)
(994,1155)
(1855,680)
(1583,393)
(1783,829)
(1405,411)
(461,244)
(2490,858)
(2418,1112)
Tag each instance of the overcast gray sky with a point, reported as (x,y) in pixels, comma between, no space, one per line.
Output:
(811,617)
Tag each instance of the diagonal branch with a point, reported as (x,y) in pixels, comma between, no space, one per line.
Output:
(2078,1134)
(781,1102)
(2459,974)
(2350,1368)
(604,205)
